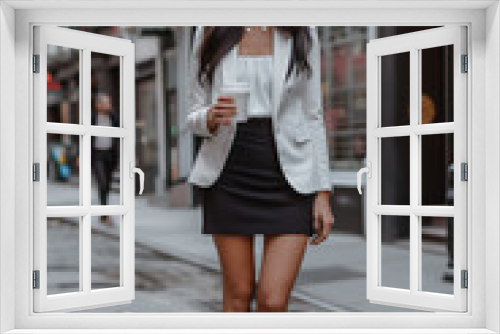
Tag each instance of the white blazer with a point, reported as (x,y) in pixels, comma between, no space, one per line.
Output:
(297,117)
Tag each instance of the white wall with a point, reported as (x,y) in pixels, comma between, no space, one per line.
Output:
(7,125)
(492,160)
(480,106)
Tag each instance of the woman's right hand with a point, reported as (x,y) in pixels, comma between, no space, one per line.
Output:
(220,113)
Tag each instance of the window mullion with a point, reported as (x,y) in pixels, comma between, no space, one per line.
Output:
(415,78)
(85,98)
(109,210)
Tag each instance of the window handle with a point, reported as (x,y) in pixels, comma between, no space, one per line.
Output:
(367,170)
(133,170)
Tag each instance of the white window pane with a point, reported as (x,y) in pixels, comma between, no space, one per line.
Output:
(106,180)
(395,170)
(437,169)
(395,251)
(437,254)
(63,85)
(63,255)
(437,85)
(63,170)
(395,89)
(105,89)
(105,251)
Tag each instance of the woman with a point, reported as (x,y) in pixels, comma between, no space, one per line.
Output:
(270,174)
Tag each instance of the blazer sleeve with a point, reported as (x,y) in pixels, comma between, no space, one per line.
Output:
(198,96)
(315,109)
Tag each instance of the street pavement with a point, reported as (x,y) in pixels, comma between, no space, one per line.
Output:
(332,276)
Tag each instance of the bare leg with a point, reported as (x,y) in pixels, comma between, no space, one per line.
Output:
(238,273)
(281,262)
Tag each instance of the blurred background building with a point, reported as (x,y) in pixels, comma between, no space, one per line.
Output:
(165,150)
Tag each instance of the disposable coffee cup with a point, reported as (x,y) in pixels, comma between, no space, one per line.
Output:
(240,92)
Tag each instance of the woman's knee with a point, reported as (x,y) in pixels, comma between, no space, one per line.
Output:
(238,297)
(271,300)
(241,291)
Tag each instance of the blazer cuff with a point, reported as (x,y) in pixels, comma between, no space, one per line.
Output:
(322,156)
(325,184)
(326,187)
(198,122)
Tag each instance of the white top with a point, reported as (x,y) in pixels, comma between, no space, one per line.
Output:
(103,143)
(258,72)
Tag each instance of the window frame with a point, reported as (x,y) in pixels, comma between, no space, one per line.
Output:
(412,46)
(85,45)
(484,235)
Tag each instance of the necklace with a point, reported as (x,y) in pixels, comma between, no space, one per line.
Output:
(257,39)
(248,29)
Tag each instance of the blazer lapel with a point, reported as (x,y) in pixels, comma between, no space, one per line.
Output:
(281,59)
(229,66)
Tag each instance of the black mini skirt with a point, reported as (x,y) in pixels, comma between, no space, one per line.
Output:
(252,195)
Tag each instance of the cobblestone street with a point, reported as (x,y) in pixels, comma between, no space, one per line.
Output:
(164,283)
(177,267)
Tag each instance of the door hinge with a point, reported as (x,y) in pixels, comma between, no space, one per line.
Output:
(36,63)
(464,171)
(36,172)
(36,279)
(465,64)
(465,279)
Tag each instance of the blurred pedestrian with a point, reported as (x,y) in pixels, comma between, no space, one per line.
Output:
(104,150)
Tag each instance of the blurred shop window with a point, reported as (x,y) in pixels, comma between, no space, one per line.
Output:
(174,135)
(172,83)
(343,66)
(146,129)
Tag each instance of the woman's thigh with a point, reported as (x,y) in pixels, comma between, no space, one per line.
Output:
(236,254)
(281,261)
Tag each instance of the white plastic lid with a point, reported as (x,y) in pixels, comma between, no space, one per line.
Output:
(236,86)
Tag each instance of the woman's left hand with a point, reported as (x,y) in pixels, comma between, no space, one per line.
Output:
(323,218)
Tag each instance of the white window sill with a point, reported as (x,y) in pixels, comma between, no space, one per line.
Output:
(252,331)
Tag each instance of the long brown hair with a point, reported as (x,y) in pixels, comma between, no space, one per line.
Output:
(217,41)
